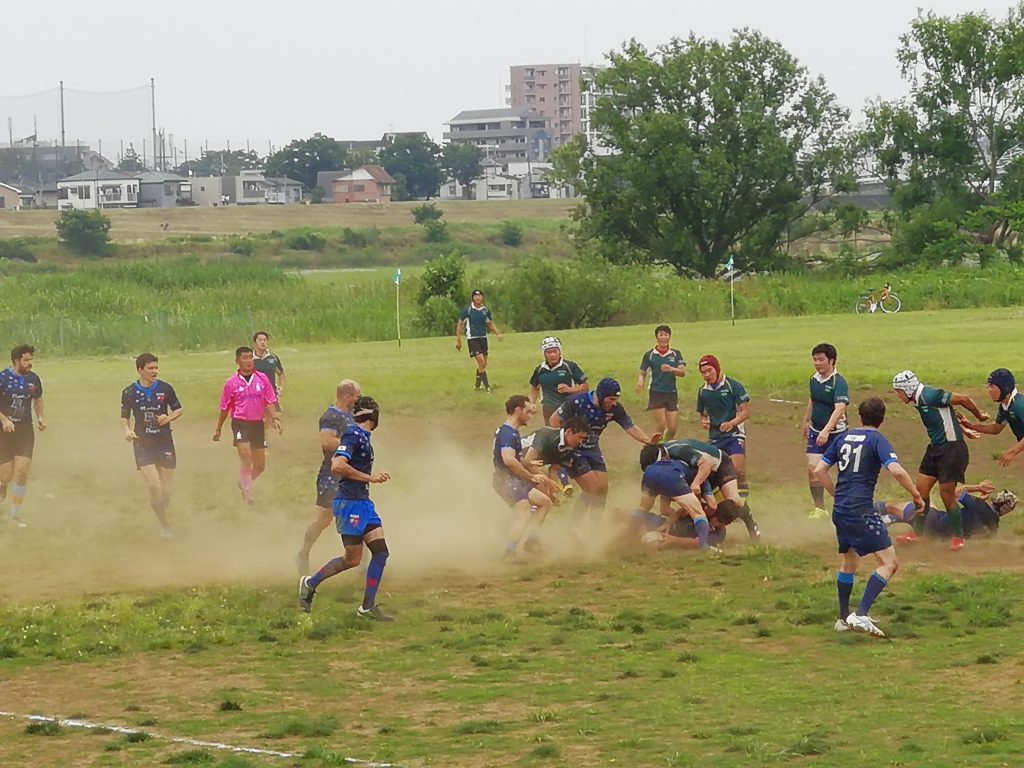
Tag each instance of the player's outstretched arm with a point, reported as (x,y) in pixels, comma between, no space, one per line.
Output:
(992,428)
(901,476)
(1011,453)
(340,466)
(640,436)
(968,403)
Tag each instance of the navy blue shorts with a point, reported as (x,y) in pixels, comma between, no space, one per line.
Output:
(812,446)
(159,452)
(20,442)
(326,490)
(864,532)
(589,460)
(512,489)
(664,478)
(354,517)
(731,445)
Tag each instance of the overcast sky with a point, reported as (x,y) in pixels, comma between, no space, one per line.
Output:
(270,71)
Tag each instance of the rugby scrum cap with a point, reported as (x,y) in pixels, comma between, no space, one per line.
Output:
(907,382)
(478,292)
(608,388)
(711,361)
(550,342)
(1004,380)
(1003,502)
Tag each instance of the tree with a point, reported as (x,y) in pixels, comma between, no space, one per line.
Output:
(417,160)
(222,163)
(303,159)
(131,162)
(716,148)
(84,232)
(462,163)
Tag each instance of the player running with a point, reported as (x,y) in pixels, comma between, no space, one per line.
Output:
(21,393)
(1002,388)
(354,514)
(589,469)
(663,364)
(946,457)
(712,466)
(528,493)
(861,454)
(557,378)
(982,510)
(245,398)
(333,423)
(477,321)
(724,407)
(152,404)
(825,417)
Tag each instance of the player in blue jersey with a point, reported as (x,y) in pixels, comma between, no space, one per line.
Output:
(1002,388)
(152,405)
(476,320)
(354,513)
(946,457)
(333,423)
(599,408)
(21,393)
(861,454)
(983,508)
(670,482)
(529,494)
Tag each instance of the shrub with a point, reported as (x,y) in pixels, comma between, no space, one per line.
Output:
(16,250)
(438,315)
(421,214)
(444,276)
(304,240)
(354,238)
(243,246)
(437,231)
(85,232)
(511,233)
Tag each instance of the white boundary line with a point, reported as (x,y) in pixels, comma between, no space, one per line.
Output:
(179,739)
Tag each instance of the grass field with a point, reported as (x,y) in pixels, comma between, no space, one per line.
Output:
(590,657)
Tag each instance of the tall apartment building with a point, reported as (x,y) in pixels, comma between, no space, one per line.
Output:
(503,135)
(556,91)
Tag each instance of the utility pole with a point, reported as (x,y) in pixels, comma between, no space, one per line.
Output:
(62,144)
(152,97)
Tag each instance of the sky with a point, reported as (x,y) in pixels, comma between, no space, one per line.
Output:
(267,72)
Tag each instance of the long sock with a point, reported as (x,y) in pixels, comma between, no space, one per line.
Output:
(483,378)
(159,507)
(17,499)
(844,586)
(245,480)
(917,521)
(873,589)
(956,520)
(479,380)
(700,526)
(744,490)
(373,576)
(332,568)
(747,517)
(818,494)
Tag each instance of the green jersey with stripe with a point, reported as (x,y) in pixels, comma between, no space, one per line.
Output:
(476,320)
(1013,414)
(690,451)
(826,393)
(652,361)
(938,418)
(549,444)
(548,378)
(719,403)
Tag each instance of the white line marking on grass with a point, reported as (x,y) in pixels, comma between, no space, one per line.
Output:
(787,402)
(180,739)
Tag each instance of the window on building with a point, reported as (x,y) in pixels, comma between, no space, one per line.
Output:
(85,192)
(3,202)
(563,71)
(342,187)
(358,187)
(531,99)
(542,98)
(528,72)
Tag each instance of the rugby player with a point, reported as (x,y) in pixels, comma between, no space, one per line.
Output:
(724,407)
(21,394)
(825,417)
(354,514)
(671,482)
(555,449)
(1002,388)
(556,378)
(333,423)
(663,364)
(245,398)
(982,510)
(946,457)
(861,454)
(152,404)
(266,362)
(477,321)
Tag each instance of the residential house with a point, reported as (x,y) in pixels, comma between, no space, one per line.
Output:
(97,190)
(367,184)
(503,181)
(503,134)
(325,180)
(10,197)
(284,191)
(158,189)
(247,188)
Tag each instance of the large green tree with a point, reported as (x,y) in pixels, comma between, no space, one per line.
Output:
(414,160)
(303,159)
(462,163)
(222,163)
(709,148)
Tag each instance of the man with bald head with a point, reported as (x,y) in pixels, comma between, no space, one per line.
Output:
(333,423)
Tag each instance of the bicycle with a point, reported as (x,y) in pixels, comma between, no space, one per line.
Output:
(888,302)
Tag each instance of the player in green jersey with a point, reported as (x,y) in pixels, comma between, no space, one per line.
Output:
(1002,388)
(663,364)
(555,379)
(724,407)
(476,320)
(825,417)
(946,457)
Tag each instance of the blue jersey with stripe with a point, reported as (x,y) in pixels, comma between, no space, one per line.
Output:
(860,454)
(355,446)
(507,436)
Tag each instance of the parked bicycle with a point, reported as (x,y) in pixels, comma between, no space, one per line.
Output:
(887,301)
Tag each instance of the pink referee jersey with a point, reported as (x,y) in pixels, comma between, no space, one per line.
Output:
(247,399)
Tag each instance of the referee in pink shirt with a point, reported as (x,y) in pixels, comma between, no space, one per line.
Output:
(246,395)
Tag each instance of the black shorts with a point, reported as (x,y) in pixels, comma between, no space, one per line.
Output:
(252,432)
(725,473)
(20,442)
(159,451)
(548,413)
(477,347)
(326,490)
(946,462)
(658,400)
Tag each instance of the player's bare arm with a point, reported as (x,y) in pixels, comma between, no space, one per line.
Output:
(704,468)
(821,474)
(221,418)
(992,428)
(494,329)
(838,414)
(675,370)
(641,382)
(742,414)
(508,456)
(39,408)
(901,476)
(129,433)
(807,419)
(340,466)
(966,402)
(458,335)
(640,436)
(164,419)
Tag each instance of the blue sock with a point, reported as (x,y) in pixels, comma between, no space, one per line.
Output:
(510,548)
(332,568)
(17,499)
(373,576)
(871,592)
(700,525)
(844,586)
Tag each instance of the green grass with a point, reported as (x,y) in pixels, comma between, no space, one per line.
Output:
(581,660)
